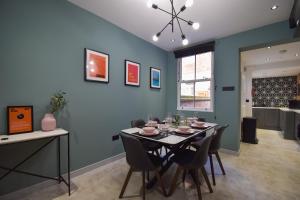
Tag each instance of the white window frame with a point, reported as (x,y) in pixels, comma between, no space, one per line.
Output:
(212,86)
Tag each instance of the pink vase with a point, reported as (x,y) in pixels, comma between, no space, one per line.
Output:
(48,122)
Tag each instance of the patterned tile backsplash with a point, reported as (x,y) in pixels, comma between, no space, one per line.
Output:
(275,91)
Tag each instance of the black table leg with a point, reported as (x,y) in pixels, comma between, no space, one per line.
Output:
(69,179)
(169,162)
(27,158)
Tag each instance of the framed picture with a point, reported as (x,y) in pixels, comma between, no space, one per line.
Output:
(19,119)
(96,66)
(132,73)
(154,78)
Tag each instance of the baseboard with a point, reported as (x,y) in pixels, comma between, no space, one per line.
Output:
(231,152)
(19,194)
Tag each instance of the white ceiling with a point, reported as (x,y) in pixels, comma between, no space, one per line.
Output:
(217,18)
(274,54)
(272,62)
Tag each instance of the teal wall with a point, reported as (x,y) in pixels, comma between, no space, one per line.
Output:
(227,73)
(41,46)
(42,49)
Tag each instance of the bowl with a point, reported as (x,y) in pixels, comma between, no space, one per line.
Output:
(199,123)
(148,130)
(183,128)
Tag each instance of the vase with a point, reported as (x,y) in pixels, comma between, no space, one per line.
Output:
(48,122)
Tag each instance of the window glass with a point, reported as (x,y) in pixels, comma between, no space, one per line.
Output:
(188,68)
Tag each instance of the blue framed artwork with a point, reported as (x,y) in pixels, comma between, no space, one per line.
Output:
(154,78)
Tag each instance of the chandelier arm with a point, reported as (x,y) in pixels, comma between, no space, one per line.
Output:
(175,16)
(171,14)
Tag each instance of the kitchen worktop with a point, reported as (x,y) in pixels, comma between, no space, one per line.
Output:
(281,108)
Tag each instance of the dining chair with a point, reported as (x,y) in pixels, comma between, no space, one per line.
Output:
(149,146)
(213,150)
(140,160)
(191,161)
(156,119)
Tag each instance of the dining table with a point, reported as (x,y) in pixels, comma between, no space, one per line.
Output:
(172,140)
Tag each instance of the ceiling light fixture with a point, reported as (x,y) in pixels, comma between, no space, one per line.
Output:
(175,17)
(296,54)
(274,7)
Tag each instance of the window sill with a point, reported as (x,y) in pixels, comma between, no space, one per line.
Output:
(195,110)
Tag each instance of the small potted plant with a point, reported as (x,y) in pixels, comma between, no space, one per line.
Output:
(57,103)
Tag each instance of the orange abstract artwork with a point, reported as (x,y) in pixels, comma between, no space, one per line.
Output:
(132,73)
(96,64)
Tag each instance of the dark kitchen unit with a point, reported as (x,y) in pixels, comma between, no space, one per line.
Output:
(281,119)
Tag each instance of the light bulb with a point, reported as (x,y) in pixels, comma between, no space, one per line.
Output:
(149,4)
(274,7)
(185,41)
(155,38)
(196,25)
(189,3)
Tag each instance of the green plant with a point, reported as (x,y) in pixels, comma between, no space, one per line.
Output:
(57,101)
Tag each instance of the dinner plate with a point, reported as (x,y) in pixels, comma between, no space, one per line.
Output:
(189,132)
(155,133)
(197,126)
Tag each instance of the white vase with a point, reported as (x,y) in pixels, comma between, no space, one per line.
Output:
(48,122)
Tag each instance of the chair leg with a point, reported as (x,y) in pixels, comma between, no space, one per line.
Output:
(157,153)
(148,175)
(160,182)
(206,179)
(183,175)
(212,169)
(125,183)
(220,163)
(197,184)
(144,187)
(174,181)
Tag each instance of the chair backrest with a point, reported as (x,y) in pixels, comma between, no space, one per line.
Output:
(216,140)
(201,119)
(136,155)
(138,123)
(201,153)
(156,119)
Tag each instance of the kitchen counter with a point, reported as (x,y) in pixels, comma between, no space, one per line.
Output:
(281,108)
(276,118)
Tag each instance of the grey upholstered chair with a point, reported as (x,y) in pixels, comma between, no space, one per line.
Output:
(213,150)
(140,161)
(156,119)
(191,161)
(149,146)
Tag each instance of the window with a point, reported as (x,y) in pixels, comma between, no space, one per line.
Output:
(195,82)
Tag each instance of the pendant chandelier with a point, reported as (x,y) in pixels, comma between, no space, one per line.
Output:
(175,17)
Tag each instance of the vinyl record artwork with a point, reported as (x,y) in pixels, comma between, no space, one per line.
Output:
(19,119)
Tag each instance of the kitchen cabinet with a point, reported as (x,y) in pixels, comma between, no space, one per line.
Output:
(281,119)
(297,121)
(267,118)
(288,128)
